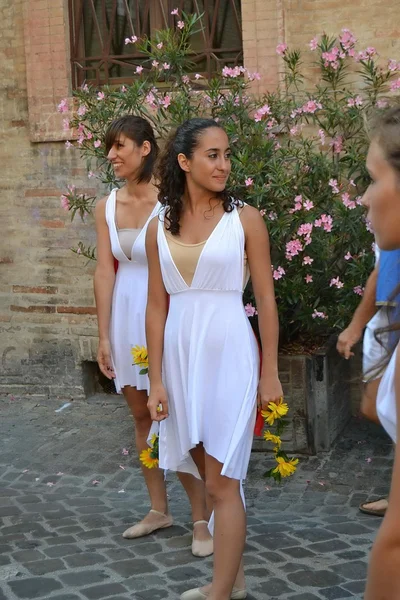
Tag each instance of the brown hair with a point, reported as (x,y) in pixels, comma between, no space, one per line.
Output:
(139,131)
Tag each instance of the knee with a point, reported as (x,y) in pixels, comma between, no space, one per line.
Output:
(142,421)
(216,489)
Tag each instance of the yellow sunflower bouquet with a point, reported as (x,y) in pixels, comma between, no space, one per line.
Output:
(140,358)
(273,416)
(149,456)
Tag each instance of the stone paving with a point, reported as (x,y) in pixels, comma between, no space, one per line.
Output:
(60,535)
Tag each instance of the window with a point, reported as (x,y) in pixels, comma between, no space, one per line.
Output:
(99,28)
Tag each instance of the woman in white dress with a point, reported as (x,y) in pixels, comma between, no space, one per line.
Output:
(203,356)
(121,223)
(383,202)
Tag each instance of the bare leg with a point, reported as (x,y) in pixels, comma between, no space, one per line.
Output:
(368,402)
(228,540)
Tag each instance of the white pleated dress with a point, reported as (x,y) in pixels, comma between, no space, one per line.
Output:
(386,405)
(211,358)
(127,324)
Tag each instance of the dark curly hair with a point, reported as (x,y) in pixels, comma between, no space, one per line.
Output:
(139,131)
(172,179)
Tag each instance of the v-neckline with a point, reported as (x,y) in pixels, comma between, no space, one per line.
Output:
(140,232)
(201,253)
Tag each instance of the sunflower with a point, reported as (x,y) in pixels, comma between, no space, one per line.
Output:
(285,468)
(275,439)
(147,459)
(140,356)
(275,410)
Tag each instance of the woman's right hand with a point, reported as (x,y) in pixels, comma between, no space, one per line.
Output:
(104,359)
(158,403)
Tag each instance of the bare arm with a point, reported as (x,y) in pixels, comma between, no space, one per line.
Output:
(104,279)
(363,313)
(156,316)
(259,259)
(383,582)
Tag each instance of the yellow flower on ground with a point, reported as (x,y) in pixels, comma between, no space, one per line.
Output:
(275,439)
(147,460)
(285,468)
(140,356)
(275,410)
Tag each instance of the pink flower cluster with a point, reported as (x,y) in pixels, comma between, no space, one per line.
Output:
(299,203)
(357,102)
(395,85)
(366,54)
(311,107)
(278,273)
(348,41)
(64,202)
(358,290)
(131,40)
(233,72)
(350,204)
(332,58)
(293,248)
(281,49)
(305,230)
(334,185)
(63,106)
(250,310)
(337,144)
(317,314)
(325,221)
(261,112)
(393,65)
(335,282)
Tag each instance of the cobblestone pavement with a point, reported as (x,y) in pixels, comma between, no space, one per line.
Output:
(60,534)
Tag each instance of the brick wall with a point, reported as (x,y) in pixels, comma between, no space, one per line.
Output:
(47,321)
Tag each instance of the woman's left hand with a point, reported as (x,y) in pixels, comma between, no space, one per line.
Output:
(269,390)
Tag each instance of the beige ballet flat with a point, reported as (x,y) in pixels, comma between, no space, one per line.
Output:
(202,548)
(142,529)
(197,594)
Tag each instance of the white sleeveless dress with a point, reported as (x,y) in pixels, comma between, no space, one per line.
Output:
(127,324)
(211,358)
(386,405)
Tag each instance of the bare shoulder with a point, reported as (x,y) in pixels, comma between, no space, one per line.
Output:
(251,218)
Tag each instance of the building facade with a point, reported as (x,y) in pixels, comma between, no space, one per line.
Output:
(47,316)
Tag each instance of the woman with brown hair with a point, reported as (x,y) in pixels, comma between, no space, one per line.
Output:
(382,200)
(121,222)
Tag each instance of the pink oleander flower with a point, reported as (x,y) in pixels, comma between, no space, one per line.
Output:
(350,204)
(91,174)
(308,205)
(160,45)
(85,87)
(155,64)
(305,229)
(351,182)
(348,256)
(335,282)
(393,65)
(166,66)
(358,290)
(272,216)
(250,310)
(263,212)
(81,110)
(232,72)
(278,273)
(174,12)
(334,185)
(325,222)
(124,89)
(131,40)
(180,24)
(139,69)
(307,260)
(80,140)
(186,79)
(382,104)
(357,101)
(63,106)
(166,102)
(261,112)
(313,44)
(64,202)
(331,58)
(395,85)
(295,130)
(68,145)
(100,96)
(254,76)
(318,315)
(366,54)
(281,49)
(358,200)
(321,134)
(347,40)
(65,124)
(97,143)
(89,135)
(249,182)
(368,226)
(311,107)
(308,278)
(198,76)
(337,144)
(293,248)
